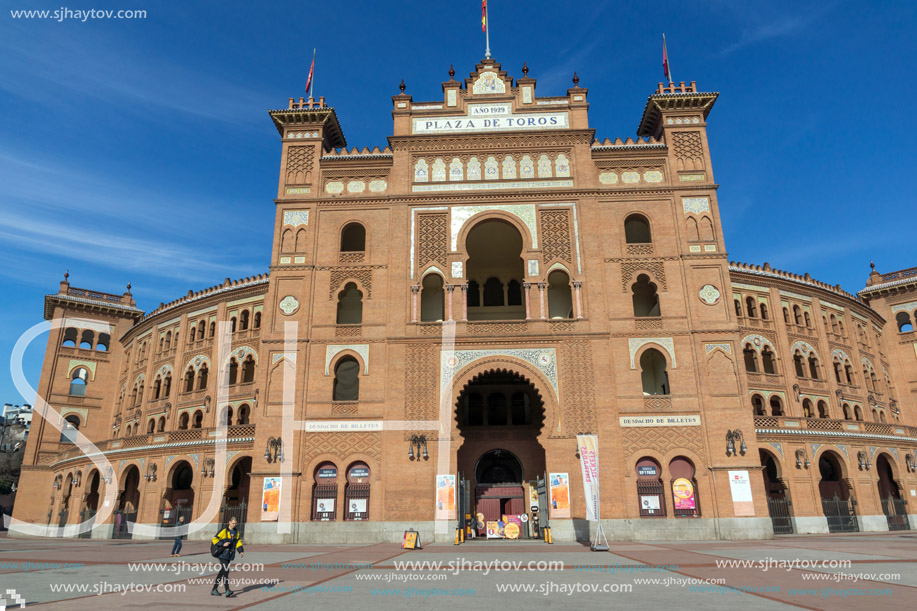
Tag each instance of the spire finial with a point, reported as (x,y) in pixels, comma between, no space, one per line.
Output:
(451,72)
(525,69)
(401,86)
(575,80)
(128,287)
(66,275)
(872,265)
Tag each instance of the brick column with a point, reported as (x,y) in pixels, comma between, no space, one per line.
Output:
(577,285)
(525,289)
(541,287)
(414,290)
(465,302)
(449,289)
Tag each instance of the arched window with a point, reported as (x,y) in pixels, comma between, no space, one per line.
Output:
(243,320)
(353,238)
(103,342)
(797,315)
(514,293)
(233,371)
(757,405)
(750,307)
(198,419)
(637,229)
(807,410)
(244,413)
(162,424)
(232,324)
(786,315)
(202,377)
(838,371)
(763,311)
(201,328)
(881,416)
(70,336)
(751,359)
(866,379)
(189,380)
(848,372)
(213,329)
(350,305)
(738,307)
(183,421)
(134,395)
(140,393)
(646,301)
(799,364)
(858,413)
(807,319)
(903,319)
(168,340)
(493,292)
(257,323)
(474,294)
(248,369)
(78,381)
(776,406)
(157,388)
(346,380)
(684,488)
(162,342)
(875,380)
(167,385)
(432,300)
(822,409)
(151,426)
(226,416)
(560,299)
(192,334)
(654,375)
(875,415)
(834,324)
(813,367)
(846,410)
(86,340)
(71,426)
(768,359)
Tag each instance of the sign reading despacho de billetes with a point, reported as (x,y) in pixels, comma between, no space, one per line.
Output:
(660,420)
(490,118)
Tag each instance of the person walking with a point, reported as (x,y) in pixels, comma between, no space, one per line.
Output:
(176,547)
(228,539)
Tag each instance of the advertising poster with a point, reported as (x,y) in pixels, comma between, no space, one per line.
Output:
(270,499)
(512,526)
(493,530)
(740,487)
(589,461)
(650,503)
(410,540)
(560,495)
(683,493)
(358,505)
(445,497)
(533,495)
(325,505)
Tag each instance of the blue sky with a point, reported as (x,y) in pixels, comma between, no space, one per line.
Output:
(140,150)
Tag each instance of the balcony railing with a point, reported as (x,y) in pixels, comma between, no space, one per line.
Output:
(826,424)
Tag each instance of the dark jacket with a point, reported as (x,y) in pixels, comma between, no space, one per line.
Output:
(229,552)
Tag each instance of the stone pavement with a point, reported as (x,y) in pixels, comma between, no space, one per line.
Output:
(877,573)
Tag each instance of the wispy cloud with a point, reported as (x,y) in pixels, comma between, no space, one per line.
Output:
(780,27)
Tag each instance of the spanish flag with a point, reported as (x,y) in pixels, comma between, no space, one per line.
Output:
(483,15)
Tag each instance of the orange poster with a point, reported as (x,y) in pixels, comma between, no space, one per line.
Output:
(445,497)
(270,499)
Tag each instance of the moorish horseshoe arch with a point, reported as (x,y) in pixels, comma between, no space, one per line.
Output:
(526,228)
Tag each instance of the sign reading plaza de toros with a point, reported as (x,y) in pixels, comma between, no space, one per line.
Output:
(490,118)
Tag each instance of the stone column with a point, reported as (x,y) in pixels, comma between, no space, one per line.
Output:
(449,289)
(541,287)
(577,285)
(525,289)
(414,290)
(465,302)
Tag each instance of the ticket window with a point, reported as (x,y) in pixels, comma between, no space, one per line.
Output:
(325,493)
(356,494)
(650,491)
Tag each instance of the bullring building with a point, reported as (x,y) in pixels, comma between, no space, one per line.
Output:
(445,314)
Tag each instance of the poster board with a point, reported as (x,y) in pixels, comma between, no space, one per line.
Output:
(683,494)
(740,487)
(560,495)
(270,499)
(445,497)
(410,540)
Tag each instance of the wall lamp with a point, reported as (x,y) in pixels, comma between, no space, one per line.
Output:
(79,479)
(274,450)
(796,392)
(731,438)
(107,477)
(911,462)
(893,406)
(801,459)
(420,441)
(863,460)
(151,473)
(207,469)
(57,482)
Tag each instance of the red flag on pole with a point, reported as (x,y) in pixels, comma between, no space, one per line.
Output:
(483,15)
(665,61)
(311,70)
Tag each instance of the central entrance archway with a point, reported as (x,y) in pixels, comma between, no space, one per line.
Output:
(499,415)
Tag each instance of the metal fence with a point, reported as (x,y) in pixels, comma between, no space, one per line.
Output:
(841,514)
(239,512)
(895,511)
(121,520)
(781,518)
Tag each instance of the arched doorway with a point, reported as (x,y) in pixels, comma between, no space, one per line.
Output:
(893,505)
(835,494)
(778,502)
(236,497)
(499,415)
(128,503)
(495,271)
(90,501)
(63,515)
(178,500)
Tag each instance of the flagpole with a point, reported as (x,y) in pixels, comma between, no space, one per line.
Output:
(667,62)
(312,84)
(487,30)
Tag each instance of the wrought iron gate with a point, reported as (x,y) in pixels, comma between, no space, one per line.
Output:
(183,511)
(238,511)
(121,519)
(781,518)
(87,514)
(841,514)
(895,511)
(463,505)
(62,516)
(540,518)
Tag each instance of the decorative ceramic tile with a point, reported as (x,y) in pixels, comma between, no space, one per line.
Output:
(488,82)
(608,178)
(709,294)
(635,343)
(692,177)
(562,166)
(474,169)
(451,97)
(724,347)
(334,187)
(378,186)
(709,247)
(290,356)
(544,166)
(288,305)
(356,186)
(421,173)
(285,260)
(526,95)
(532,267)
(840,355)
(491,169)
(526,167)
(804,347)
(758,341)
(487,186)
(777,446)
(296,217)
(461,214)
(332,350)
(457,271)
(242,353)
(298,190)
(695,205)
(652,176)
(630,178)
(509,167)
(439,170)
(456,171)
(544,359)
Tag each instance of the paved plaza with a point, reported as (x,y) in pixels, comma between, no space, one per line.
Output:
(811,572)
